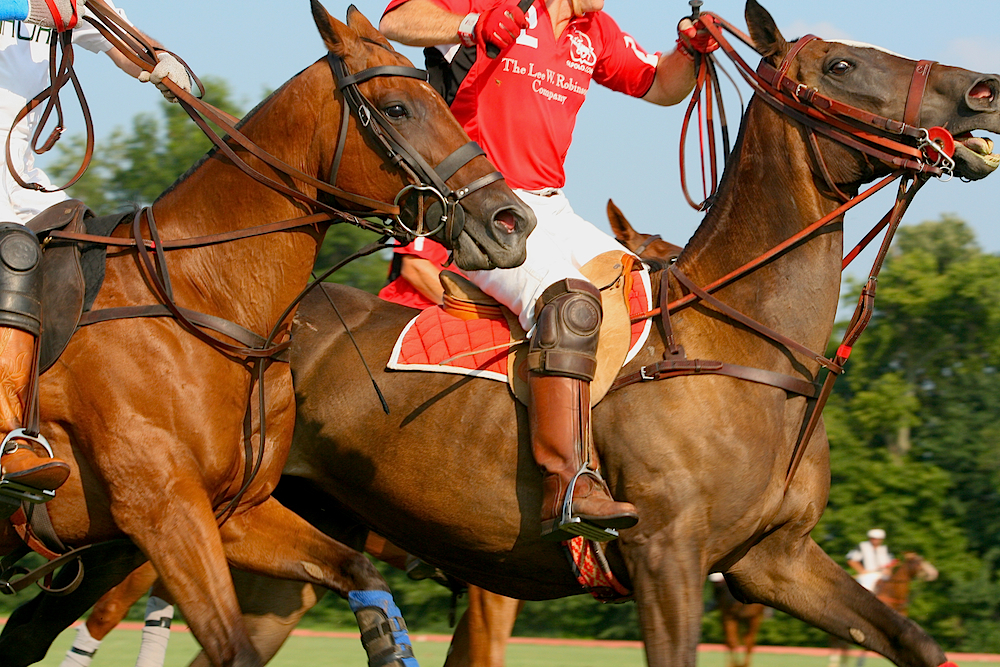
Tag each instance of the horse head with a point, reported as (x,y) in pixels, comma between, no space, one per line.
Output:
(883,84)
(425,162)
(649,247)
(919,567)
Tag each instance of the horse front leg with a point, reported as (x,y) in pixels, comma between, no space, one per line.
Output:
(668,582)
(185,547)
(480,639)
(271,540)
(787,570)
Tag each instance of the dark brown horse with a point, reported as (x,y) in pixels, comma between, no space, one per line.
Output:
(482,634)
(154,421)
(449,477)
(740,622)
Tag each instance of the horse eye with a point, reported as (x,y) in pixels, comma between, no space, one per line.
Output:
(841,67)
(395,111)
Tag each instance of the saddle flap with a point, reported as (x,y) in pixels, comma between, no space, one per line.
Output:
(611,273)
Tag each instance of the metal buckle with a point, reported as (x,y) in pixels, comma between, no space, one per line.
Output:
(364,115)
(645,377)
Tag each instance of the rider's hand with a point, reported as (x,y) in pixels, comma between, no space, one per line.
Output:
(168,68)
(500,26)
(692,37)
(63,15)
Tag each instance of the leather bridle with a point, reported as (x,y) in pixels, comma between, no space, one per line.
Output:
(426,179)
(914,153)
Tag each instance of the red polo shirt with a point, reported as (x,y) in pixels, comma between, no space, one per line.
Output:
(522,106)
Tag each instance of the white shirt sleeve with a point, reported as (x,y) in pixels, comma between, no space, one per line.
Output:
(88,37)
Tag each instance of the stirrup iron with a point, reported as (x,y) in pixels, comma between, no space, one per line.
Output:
(11,490)
(22,434)
(576,526)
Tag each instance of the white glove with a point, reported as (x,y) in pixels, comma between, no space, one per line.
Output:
(168,68)
(67,11)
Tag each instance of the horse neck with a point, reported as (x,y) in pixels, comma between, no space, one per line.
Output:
(251,279)
(767,195)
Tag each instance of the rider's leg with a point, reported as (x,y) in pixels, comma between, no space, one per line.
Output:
(562,359)
(559,409)
(21,460)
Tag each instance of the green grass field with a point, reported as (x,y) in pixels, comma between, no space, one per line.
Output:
(121,647)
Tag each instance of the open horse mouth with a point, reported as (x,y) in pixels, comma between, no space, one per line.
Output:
(974,157)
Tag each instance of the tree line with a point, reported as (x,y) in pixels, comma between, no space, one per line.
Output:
(914,437)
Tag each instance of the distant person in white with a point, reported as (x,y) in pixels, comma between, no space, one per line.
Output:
(24,72)
(871,559)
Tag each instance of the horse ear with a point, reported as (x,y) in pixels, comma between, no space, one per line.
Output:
(766,37)
(335,34)
(359,22)
(620,226)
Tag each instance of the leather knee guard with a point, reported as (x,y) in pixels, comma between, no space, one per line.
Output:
(565,340)
(20,278)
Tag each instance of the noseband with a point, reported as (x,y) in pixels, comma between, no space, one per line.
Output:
(425,178)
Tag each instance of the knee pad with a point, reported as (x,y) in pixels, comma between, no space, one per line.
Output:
(568,324)
(20,278)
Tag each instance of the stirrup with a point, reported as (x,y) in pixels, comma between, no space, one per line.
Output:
(22,434)
(16,492)
(11,490)
(574,526)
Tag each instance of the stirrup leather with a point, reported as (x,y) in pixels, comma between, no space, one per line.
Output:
(574,525)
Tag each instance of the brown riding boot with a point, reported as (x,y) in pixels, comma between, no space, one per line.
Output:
(21,461)
(562,359)
(559,419)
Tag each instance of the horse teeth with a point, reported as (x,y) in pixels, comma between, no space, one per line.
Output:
(980,145)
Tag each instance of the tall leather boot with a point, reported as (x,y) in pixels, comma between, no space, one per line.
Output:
(23,460)
(562,360)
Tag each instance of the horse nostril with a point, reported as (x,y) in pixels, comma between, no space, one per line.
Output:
(982,91)
(506,220)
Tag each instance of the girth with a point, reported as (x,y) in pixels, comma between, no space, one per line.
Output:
(675,362)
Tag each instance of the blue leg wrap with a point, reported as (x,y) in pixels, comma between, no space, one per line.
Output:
(383,631)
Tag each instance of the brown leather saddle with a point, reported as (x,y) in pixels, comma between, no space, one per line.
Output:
(72,272)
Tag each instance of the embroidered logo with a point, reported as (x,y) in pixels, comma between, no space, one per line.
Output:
(582,53)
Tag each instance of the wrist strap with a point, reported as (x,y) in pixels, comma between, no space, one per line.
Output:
(467,29)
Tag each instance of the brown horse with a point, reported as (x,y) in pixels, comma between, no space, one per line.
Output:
(895,589)
(448,477)
(155,422)
(737,616)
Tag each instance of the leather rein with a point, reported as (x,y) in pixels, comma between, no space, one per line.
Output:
(884,139)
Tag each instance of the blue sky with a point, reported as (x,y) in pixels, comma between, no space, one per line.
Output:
(624,148)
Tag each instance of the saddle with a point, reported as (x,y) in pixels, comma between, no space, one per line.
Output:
(72,273)
(473,334)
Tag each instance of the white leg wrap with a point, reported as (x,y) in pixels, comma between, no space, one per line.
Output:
(155,635)
(83,649)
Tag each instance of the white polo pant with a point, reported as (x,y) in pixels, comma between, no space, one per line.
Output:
(18,204)
(556,249)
